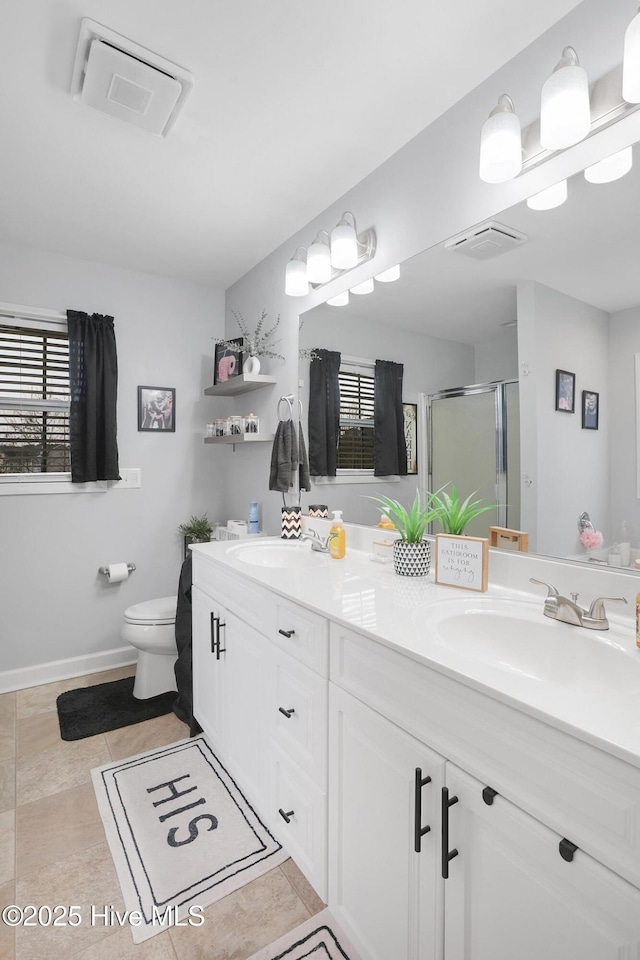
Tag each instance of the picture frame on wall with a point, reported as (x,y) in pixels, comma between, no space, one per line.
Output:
(565,391)
(410,421)
(227,361)
(157,409)
(590,409)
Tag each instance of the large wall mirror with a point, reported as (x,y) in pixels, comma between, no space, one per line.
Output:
(482,331)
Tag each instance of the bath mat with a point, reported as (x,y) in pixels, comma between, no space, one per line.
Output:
(87,711)
(320,938)
(181,834)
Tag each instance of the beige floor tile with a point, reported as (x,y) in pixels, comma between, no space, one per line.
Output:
(7,846)
(139,737)
(42,699)
(7,785)
(37,733)
(57,827)
(7,726)
(107,676)
(120,946)
(244,922)
(58,768)
(7,934)
(302,887)
(81,880)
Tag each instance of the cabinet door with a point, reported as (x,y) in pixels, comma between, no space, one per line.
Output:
(208,665)
(511,894)
(387,895)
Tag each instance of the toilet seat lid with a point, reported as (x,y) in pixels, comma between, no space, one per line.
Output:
(162,610)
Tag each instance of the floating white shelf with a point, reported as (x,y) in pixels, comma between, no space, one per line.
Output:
(242,384)
(241,438)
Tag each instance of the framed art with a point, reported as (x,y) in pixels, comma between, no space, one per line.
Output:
(157,409)
(410,420)
(590,410)
(227,361)
(565,391)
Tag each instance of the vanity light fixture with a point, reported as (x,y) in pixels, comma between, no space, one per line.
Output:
(319,259)
(631,62)
(501,143)
(547,199)
(341,300)
(296,282)
(365,287)
(565,112)
(611,168)
(388,276)
(344,243)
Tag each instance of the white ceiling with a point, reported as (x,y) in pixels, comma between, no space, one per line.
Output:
(294,103)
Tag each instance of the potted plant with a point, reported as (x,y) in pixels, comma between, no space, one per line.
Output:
(195,530)
(254,345)
(411,553)
(453,515)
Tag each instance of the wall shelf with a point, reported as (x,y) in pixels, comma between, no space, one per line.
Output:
(241,438)
(242,384)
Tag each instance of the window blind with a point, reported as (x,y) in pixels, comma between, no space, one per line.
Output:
(355,442)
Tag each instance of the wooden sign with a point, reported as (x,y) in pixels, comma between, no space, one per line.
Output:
(462,562)
(508,539)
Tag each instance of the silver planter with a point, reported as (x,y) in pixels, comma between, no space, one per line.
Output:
(411,559)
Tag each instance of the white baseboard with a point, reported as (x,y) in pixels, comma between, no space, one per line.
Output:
(66,669)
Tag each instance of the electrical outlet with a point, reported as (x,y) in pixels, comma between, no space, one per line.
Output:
(131,478)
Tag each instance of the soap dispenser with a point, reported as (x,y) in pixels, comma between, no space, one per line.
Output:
(337,537)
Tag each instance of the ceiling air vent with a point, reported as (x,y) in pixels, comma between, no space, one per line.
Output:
(126,81)
(486,241)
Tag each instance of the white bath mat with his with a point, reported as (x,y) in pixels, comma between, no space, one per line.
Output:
(320,938)
(181,833)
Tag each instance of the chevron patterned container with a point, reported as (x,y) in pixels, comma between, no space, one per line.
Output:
(411,559)
(291,523)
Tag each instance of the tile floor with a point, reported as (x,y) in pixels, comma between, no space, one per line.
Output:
(53,849)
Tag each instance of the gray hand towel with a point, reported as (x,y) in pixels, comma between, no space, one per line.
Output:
(284,457)
(303,461)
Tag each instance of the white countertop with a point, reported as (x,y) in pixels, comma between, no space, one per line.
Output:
(397,611)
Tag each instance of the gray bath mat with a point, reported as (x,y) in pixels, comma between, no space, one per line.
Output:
(319,938)
(181,834)
(87,711)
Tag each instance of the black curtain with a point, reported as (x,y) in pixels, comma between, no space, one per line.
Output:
(93,375)
(389,447)
(324,413)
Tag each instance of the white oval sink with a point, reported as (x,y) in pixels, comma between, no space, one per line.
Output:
(279,554)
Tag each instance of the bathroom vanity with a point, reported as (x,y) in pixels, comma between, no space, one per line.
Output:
(456,775)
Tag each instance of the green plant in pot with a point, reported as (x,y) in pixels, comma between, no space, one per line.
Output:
(411,553)
(453,514)
(195,530)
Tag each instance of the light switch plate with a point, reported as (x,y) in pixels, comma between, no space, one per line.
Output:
(131,478)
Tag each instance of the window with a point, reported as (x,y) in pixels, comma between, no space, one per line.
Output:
(355,443)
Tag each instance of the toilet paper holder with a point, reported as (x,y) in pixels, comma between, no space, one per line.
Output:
(105,570)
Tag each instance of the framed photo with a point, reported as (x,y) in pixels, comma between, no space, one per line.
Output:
(227,362)
(565,391)
(590,409)
(410,418)
(157,409)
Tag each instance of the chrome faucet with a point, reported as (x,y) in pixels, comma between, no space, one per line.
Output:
(318,543)
(568,611)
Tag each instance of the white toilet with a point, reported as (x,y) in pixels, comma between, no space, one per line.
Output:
(150,627)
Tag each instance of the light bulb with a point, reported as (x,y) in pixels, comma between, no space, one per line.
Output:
(611,168)
(319,260)
(547,199)
(565,113)
(365,287)
(501,144)
(344,244)
(631,62)
(295,281)
(388,276)
(340,300)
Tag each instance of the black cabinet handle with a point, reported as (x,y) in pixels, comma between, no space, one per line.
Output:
(488,795)
(287,713)
(567,849)
(286,816)
(418,830)
(213,631)
(447,854)
(219,649)
(287,633)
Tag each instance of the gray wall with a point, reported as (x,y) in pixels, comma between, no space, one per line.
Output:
(54,604)
(624,341)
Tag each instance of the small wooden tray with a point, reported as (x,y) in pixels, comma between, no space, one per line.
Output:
(508,539)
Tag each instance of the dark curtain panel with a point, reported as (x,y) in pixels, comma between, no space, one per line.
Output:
(389,447)
(93,375)
(324,413)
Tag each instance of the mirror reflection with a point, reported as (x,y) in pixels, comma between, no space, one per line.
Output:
(510,305)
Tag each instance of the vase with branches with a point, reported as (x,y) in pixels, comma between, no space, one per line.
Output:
(256,344)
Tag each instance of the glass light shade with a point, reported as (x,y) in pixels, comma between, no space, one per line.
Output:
(500,148)
(344,246)
(388,276)
(611,168)
(631,62)
(340,300)
(365,287)
(318,262)
(295,281)
(565,114)
(547,199)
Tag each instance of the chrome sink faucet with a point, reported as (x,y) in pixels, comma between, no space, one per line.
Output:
(318,543)
(568,611)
